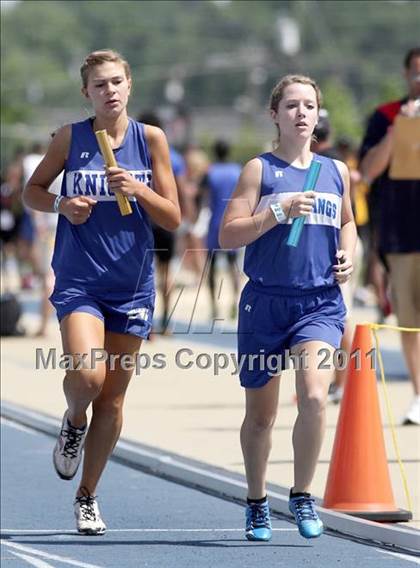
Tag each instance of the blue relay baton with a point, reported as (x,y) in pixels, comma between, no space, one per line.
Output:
(298,222)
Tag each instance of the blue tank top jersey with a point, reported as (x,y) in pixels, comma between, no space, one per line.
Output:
(268,260)
(109,252)
(221,180)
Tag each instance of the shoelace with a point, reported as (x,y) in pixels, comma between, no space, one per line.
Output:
(304,508)
(87,508)
(258,516)
(74,438)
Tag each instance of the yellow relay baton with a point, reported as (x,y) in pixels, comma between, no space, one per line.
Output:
(110,161)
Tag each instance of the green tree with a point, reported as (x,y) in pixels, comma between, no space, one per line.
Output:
(342,109)
(212,48)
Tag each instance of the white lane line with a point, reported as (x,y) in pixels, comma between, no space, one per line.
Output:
(402,556)
(53,532)
(36,552)
(37,416)
(33,561)
(17,426)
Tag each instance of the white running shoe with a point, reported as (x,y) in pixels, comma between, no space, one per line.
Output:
(88,517)
(413,413)
(68,450)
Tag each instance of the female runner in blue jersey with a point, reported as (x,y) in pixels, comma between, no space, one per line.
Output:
(292,300)
(103,263)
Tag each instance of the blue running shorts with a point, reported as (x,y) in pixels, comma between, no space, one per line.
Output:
(271,323)
(121,313)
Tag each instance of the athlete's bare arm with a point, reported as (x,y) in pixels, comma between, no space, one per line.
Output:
(35,195)
(240,225)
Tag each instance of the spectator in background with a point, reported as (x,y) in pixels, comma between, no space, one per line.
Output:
(359,192)
(195,215)
(9,220)
(376,271)
(322,137)
(165,241)
(220,182)
(11,211)
(398,202)
(27,231)
(44,227)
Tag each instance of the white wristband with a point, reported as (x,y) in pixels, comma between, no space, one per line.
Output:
(278,212)
(57,202)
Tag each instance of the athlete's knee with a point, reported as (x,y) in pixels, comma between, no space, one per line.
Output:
(260,422)
(90,381)
(314,402)
(109,404)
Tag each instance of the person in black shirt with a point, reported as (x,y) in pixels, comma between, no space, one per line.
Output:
(398,202)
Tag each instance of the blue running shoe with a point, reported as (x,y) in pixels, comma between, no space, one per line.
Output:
(258,523)
(302,506)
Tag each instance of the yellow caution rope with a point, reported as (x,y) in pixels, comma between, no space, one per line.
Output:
(374,327)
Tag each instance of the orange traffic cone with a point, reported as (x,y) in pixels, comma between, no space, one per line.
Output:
(358,479)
